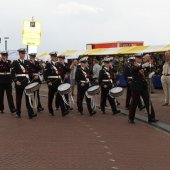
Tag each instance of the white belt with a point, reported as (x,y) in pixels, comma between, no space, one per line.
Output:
(36,74)
(54,77)
(84,81)
(22,75)
(107,81)
(8,73)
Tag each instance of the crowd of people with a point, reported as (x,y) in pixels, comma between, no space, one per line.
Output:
(137,71)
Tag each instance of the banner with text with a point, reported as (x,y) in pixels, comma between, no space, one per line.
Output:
(31,34)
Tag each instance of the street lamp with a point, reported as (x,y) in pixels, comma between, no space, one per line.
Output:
(6,43)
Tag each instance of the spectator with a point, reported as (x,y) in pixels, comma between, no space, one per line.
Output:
(73,68)
(165,79)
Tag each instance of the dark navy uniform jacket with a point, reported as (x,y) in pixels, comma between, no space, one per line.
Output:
(5,67)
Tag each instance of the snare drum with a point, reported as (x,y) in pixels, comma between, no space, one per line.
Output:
(64,88)
(93,90)
(116,92)
(31,88)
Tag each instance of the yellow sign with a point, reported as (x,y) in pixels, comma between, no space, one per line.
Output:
(31,34)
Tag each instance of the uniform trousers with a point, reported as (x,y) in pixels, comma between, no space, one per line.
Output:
(38,99)
(8,89)
(104,96)
(81,90)
(134,102)
(19,94)
(52,91)
(129,96)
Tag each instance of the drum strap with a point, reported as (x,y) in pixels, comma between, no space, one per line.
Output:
(23,70)
(70,99)
(85,75)
(35,104)
(93,106)
(108,75)
(56,70)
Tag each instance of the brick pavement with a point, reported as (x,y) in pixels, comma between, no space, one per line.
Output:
(102,142)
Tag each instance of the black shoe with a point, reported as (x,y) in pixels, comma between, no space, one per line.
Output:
(131,121)
(116,112)
(92,113)
(70,108)
(51,113)
(34,115)
(30,117)
(18,116)
(141,108)
(65,113)
(118,103)
(152,120)
(104,112)
(40,109)
(13,110)
(1,111)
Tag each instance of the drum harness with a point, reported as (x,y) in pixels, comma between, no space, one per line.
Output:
(63,96)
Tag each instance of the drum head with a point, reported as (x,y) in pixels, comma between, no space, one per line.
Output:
(116,90)
(64,87)
(30,86)
(93,88)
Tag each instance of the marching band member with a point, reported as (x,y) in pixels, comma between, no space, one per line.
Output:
(65,70)
(82,79)
(6,82)
(128,77)
(139,88)
(21,73)
(35,70)
(54,76)
(106,80)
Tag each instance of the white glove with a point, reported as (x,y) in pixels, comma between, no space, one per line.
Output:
(151,74)
(145,65)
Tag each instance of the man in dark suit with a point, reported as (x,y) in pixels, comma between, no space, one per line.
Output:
(82,78)
(21,75)
(139,88)
(128,77)
(54,76)
(35,70)
(106,81)
(6,82)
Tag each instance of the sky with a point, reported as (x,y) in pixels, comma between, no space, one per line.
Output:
(71,24)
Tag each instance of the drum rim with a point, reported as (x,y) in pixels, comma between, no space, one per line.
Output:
(97,87)
(115,88)
(36,84)
(66,84)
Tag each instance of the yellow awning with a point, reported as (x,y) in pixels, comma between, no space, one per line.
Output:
(166,48)
(124,50)
(97,51)
(136,49)
(68,52)
(43,54)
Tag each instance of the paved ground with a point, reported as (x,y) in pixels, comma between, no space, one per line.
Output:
(102,142)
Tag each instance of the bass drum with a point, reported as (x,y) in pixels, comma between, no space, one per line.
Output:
(92,91)
(31,88)
(64,89)
(116,92)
